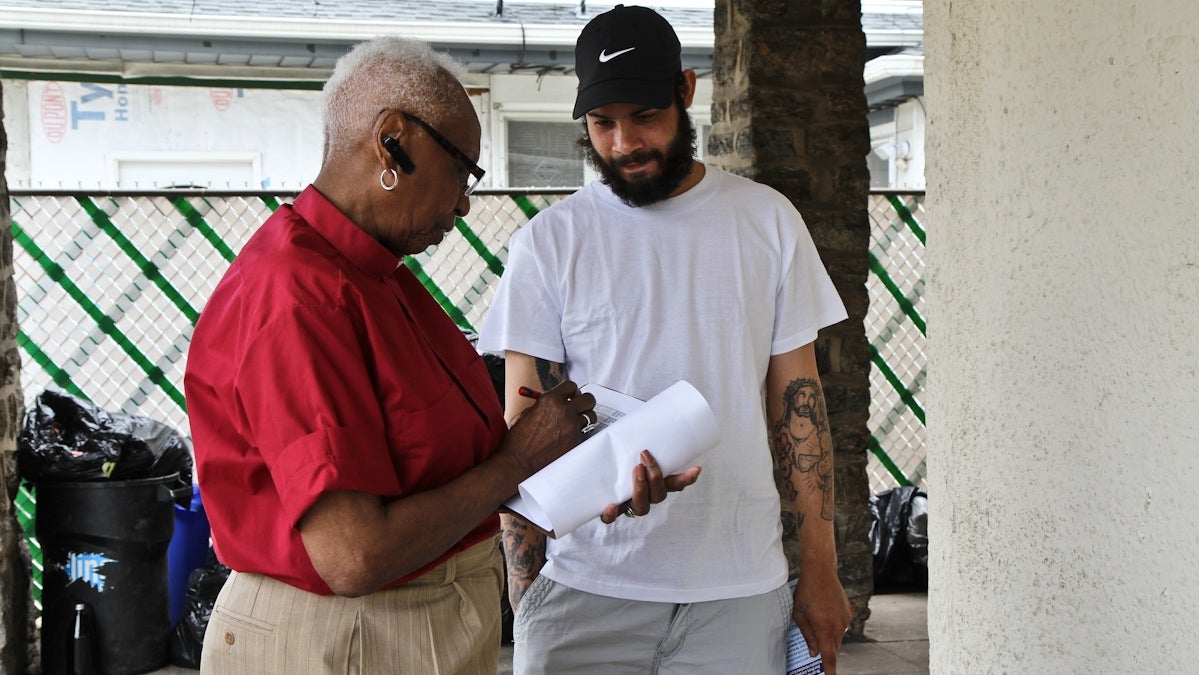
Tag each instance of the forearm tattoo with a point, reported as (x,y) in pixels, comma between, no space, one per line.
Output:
(524,554)
(803,447)
(524,545)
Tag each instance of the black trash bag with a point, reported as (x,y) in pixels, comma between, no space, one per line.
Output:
(918,534)
(203,585)
(899,534)
(69,439)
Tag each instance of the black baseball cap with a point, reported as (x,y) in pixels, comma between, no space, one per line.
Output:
(627,55)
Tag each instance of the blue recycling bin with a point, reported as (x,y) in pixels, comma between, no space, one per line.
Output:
(187,551)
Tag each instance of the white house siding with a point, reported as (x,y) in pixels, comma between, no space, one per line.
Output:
(108,136)
(135,136)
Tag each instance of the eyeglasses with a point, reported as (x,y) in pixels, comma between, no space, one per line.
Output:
(474,173)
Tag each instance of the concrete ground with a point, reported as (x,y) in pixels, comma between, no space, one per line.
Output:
(897,634)
(897,641)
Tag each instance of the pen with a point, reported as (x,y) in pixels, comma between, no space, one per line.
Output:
(529,393)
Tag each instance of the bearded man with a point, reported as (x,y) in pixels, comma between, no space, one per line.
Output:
(666,270)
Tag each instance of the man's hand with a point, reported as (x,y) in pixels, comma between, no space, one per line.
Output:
(649,487)
(822,613)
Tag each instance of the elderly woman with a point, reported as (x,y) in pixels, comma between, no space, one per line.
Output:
(349,444)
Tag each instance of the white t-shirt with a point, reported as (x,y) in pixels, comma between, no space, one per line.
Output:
(702,287)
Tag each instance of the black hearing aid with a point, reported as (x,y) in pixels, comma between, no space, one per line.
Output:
(397,153)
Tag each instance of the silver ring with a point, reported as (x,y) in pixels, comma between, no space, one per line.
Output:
(628,511)
(589,422)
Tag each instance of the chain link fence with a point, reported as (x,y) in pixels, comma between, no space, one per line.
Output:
(896,332)
(110,286)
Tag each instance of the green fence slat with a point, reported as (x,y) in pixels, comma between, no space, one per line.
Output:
(525,205)
(493,263)
(905,395)
(197,221)
(905,214)
(904,303)
(57,374)
(271,203)
(105,322)
(888,463)
(455,314)
(148,269)
(26,508)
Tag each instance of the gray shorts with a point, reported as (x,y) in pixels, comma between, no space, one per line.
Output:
(559,630)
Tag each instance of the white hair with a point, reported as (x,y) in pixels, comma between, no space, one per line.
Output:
(387,72)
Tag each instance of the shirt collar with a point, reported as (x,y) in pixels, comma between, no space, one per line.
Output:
(343,234)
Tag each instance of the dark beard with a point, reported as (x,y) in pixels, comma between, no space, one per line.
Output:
(675,164)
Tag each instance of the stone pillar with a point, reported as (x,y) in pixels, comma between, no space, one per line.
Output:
(789,110)
(14,580)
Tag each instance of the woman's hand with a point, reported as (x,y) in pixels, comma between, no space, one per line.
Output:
(547,429)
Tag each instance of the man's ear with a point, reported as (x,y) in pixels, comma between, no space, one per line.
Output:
(689,94)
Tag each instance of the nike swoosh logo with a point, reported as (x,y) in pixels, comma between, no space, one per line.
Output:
(606,57)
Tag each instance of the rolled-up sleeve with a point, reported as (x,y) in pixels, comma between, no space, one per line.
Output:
(304,393)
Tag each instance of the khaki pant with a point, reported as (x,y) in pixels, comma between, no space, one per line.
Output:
(447,621)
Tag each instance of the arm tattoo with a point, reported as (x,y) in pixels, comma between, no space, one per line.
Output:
(802,445)
(523,545)
(550,374)
(524,555)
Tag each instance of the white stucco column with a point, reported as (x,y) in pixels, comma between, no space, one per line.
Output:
(1063,405)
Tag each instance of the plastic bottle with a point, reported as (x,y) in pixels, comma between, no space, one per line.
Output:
(83,645)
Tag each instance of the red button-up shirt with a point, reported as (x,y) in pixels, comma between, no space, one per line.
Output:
(320,363)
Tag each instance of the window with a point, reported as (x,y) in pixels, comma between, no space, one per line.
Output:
(881,159)
(544,154)
(880,170)
(152,170)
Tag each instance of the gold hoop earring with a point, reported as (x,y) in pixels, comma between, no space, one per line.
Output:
(395,179)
